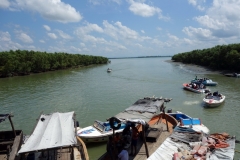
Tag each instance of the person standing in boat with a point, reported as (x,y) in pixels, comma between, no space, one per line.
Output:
(135,135)
(110,147)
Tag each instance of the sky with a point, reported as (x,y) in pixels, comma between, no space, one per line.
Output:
(118,28)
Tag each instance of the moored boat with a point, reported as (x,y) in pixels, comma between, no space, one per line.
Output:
(152,133)
(99,131)
(204,81)
(188,123)
(213,99)
(54,137)
(195,88)
(10,140)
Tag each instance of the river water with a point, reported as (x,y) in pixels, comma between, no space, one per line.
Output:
(95,94)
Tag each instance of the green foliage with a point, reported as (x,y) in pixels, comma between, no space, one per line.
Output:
(23,62)
(225,57)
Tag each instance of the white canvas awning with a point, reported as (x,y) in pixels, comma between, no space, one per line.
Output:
(52,131)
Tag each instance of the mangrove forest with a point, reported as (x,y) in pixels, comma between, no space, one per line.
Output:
(221,57)
(24,62)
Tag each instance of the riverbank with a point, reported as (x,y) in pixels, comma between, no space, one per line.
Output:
(198,69)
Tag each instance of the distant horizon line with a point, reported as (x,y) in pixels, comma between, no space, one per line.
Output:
(137,57)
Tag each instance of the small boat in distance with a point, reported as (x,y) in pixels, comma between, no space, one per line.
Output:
(204,81)
(195,88)
(213,99)
(233,75)
(109,70)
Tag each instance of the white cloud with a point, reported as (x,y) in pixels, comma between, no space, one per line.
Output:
(6,43)
(53,10)
(143,9)
(98,2)
(88,28)
(47,27)
(222,18)
(52,35)
(82,45)
(172,37)
(142,31)
(23,37)
(199,33)
(198,4)
(5,36)
(118,31)
(4,4)
(64,35)
(41,41)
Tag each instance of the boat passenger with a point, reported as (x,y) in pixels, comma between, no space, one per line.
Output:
(126,137)
(123,155)
(110,147)
(117,142)
(135,135)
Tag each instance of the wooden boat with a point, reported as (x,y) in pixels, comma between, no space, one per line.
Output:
(144,108)
(10,140)
(213,100)
(100,131)
(195,89)
(152,134)
(204,81)
(54,137)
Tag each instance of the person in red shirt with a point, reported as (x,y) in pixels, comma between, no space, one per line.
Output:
(135,135)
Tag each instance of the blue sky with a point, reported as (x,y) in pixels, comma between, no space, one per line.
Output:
(118,28)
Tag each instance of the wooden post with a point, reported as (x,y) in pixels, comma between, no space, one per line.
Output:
(144,140)
(165,118)
(14,132)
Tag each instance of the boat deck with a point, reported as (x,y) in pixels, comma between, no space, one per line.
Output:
(152,146)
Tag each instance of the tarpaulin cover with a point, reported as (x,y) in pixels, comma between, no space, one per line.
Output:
(143,109)
(3,117)
(52,131)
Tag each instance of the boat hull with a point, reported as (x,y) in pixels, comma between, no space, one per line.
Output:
(214,101)
(205,82)
(186,87)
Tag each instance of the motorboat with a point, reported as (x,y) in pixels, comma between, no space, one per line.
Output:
(233,75)
(99,131)
(213,99)
(195,88)
(109,70)
(188,123)
(204,81)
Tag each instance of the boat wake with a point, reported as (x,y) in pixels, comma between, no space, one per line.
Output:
(191,102)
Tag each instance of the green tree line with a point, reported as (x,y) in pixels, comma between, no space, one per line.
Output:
(220,57)
(24,62)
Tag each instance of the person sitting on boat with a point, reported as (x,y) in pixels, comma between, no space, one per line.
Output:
(215,93)
(123,155)
(201,86)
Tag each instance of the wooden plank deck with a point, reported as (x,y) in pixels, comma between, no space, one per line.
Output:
(152,146)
